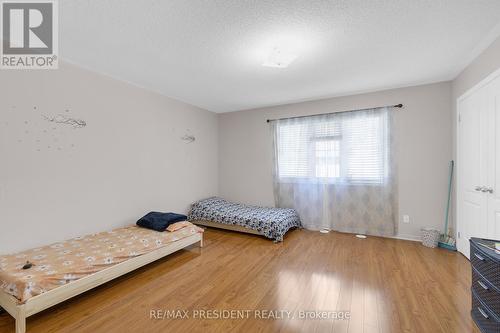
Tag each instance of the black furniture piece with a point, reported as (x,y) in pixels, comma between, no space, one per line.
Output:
(485,287)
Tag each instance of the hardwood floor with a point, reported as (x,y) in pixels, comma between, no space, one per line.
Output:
(387,285)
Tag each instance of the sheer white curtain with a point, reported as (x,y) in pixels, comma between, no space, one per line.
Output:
(337,170)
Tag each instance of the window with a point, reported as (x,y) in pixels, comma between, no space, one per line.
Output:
(327,158)
(339,148)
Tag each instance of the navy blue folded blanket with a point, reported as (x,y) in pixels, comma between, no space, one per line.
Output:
(160,221)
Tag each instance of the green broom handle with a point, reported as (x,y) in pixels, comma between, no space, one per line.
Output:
(452,164)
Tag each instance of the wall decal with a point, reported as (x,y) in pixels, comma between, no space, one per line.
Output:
(61,119)
(30,127)
(188,138)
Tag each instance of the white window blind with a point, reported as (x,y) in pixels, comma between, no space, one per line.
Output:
(351,147)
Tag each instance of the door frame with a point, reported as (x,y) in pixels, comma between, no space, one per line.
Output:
(495,74)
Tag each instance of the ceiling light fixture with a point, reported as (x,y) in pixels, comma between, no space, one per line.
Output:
(279,59)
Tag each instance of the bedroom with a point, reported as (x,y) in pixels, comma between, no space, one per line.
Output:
(311,145)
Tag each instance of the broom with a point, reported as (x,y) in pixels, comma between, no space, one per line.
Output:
(446,241)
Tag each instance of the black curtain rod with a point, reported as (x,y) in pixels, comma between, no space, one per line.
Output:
(320,114)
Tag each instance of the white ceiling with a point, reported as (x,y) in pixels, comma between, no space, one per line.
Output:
(209,53)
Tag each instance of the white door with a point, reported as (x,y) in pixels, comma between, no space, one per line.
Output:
(472,169)
(493,193)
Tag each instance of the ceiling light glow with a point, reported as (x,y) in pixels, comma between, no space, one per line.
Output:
(278,58)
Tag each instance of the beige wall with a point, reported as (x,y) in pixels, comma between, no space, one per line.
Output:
(485,64)
(128,160)
(423,133)
(426,135)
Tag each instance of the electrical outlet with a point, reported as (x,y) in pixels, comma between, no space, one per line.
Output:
(406,218)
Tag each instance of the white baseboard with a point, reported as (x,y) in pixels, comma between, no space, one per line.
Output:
(412,238)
